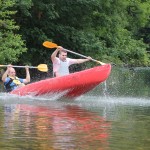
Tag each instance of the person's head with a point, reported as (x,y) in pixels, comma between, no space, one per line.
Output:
(62,55)
(12,72)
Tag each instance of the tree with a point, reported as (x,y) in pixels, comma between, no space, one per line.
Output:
(106,30)
(12,45)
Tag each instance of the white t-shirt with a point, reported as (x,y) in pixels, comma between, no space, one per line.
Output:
(61,68)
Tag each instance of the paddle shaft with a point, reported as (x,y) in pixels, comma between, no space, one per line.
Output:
(18,66)
(53,45)
(80,55)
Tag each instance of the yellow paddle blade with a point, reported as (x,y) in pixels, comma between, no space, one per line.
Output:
(42,67)
(50,44)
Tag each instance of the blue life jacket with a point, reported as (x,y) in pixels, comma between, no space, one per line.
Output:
(12,83)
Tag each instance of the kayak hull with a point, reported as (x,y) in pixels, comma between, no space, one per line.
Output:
(72,85)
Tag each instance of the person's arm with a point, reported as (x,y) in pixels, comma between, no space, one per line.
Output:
(27,79)
(79,61)
(54,54)
(4,76)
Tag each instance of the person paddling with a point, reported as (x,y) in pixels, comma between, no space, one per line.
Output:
(61,64)
(11,81)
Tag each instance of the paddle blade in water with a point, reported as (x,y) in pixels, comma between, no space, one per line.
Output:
(42,67)
(50,44)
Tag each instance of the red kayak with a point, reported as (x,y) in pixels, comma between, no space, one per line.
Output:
(72,85)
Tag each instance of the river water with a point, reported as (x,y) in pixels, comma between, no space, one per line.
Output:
(113,116)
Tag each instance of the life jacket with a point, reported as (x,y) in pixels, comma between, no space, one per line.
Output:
(8,85)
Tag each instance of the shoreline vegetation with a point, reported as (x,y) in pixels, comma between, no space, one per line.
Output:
(114,32)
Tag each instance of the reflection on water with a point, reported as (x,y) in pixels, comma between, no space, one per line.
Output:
(88,123)
(42,127)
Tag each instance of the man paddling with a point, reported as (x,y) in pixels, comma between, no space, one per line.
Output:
(61,64)
(11,81)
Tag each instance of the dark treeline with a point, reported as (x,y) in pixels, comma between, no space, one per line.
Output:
(115,31)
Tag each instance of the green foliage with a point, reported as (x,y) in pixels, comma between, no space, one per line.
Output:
(123,45)
(11,43)
(138,14)
(110,31)
(23,6)
(128,50)
(11,47)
